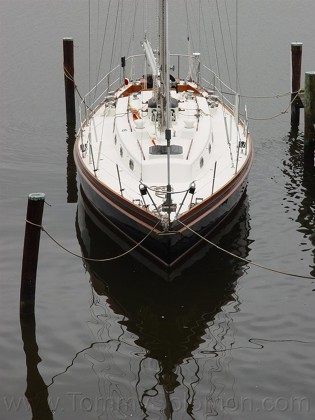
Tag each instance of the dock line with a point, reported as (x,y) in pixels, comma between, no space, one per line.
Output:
(150,232)
(245,259)
(92,259)
(277,115)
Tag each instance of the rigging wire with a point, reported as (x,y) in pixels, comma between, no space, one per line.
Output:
(97,38)
(199,26)
(121,31)
(203,14)
(131,40)
(89,50)
(238,87)
(132,37)
(189,38)
(221,83)
(114,42)
(102,49)
(223,43)
(232,47)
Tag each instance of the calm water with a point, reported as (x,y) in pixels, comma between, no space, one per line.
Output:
(113,341)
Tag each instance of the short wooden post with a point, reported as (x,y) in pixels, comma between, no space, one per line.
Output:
(296,57)
(309,118)
(30,253)
(68,64)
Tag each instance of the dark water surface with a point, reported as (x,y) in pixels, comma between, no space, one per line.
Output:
(113,341)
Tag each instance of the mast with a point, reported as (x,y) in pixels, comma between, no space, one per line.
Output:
(165,97)
(165,65)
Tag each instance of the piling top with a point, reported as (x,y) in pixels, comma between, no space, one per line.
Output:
(36,196)
(296,44)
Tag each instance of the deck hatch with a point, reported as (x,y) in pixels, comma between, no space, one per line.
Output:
(162,150)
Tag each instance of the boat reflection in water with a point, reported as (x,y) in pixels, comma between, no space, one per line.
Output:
(163,347)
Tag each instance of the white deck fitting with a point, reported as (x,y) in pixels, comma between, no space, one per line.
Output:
(115,138)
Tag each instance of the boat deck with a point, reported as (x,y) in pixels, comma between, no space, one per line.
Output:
(125,146)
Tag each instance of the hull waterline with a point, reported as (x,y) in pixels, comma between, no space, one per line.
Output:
(100,238)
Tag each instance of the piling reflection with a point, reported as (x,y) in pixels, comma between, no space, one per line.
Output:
(169,349)
(72,189)
(36,390)
(300,187)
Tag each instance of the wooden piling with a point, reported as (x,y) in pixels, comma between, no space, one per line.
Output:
(296,58)
(68,64)
(30,253)
(309,118)
(72,189)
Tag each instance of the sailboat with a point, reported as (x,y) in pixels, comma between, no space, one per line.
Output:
(164,159)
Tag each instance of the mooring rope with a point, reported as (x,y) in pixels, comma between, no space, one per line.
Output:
(92,259)
(264,267)
(244,259)
(275,96)
(83,99)
(277,115)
